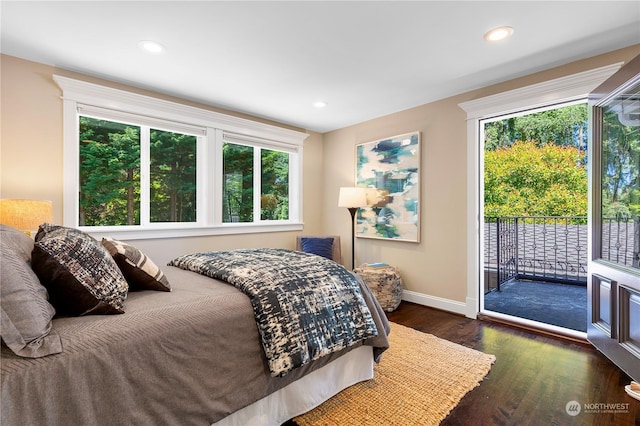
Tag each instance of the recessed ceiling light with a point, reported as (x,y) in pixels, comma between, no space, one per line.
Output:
(320,104)
(151,46)
(498,34)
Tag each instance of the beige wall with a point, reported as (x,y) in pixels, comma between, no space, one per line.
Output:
(31,167)
(437,266)
(31,157)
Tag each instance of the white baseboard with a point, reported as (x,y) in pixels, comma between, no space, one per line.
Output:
(467,309)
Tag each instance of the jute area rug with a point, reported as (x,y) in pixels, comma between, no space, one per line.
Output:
(420,379)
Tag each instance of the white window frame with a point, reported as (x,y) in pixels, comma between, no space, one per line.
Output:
(537,96)
(211,129)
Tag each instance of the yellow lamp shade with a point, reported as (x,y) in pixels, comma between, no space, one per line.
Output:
(25,215)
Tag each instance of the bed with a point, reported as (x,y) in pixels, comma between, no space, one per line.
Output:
(190,356)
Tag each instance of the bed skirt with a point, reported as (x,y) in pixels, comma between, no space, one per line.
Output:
(306,393)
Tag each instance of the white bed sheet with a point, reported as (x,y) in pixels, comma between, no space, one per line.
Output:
(306,393)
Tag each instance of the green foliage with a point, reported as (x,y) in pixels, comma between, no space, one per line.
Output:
(533,178)
(535,164)
(173,177)
(109,173)
(528,180)
(238,183)
(565,126)
(275,185)
(620,168)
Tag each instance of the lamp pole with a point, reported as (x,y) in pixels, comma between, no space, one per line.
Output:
(353,211)
(352,198)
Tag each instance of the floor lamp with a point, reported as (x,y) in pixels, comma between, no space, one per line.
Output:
(352,198)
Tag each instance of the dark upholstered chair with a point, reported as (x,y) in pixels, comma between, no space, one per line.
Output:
(318,244)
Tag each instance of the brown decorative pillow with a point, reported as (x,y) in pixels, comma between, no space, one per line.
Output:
(81,276)
(24,310)
(140,271)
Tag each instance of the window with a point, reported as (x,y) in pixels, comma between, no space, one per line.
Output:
(274,194)
(109,173)
(238,183)
(172,177)
(112,186)
(140,167)
(271,166)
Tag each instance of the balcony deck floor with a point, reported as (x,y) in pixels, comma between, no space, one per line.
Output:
(563,305)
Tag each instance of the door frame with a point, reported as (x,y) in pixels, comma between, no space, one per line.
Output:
(560,90)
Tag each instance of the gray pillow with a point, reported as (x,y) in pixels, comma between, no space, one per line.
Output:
(81,276)
(25,314)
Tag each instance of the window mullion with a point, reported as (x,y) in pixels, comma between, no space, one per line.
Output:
(202,181)
(295,187)
(145,172)
(215,176)
(257,184)
(71,161)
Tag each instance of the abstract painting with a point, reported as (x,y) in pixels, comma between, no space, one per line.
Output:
(391,169)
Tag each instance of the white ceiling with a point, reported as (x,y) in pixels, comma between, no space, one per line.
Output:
(275,59)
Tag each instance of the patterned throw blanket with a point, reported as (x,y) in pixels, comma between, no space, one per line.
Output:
(305,306)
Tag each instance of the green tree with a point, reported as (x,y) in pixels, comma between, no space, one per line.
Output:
(238,183)
(621,165)
(566,126)
(109,173)
(173,177)
(275,185)
(530,180)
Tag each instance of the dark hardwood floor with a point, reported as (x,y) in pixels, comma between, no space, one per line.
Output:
(534,376)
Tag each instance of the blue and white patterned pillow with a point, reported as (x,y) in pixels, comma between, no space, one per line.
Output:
(79,273)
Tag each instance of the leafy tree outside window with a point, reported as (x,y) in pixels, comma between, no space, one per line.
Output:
(621,166)
(110,174)
(565,126)
(173,177)
(239,183)
(237,203)
(535,164)
(527,180)
(274,201)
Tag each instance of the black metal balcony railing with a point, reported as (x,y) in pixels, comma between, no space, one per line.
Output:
(550,248)
(621,241)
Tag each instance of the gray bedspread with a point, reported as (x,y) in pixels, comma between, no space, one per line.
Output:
(189,357)
(306,306)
